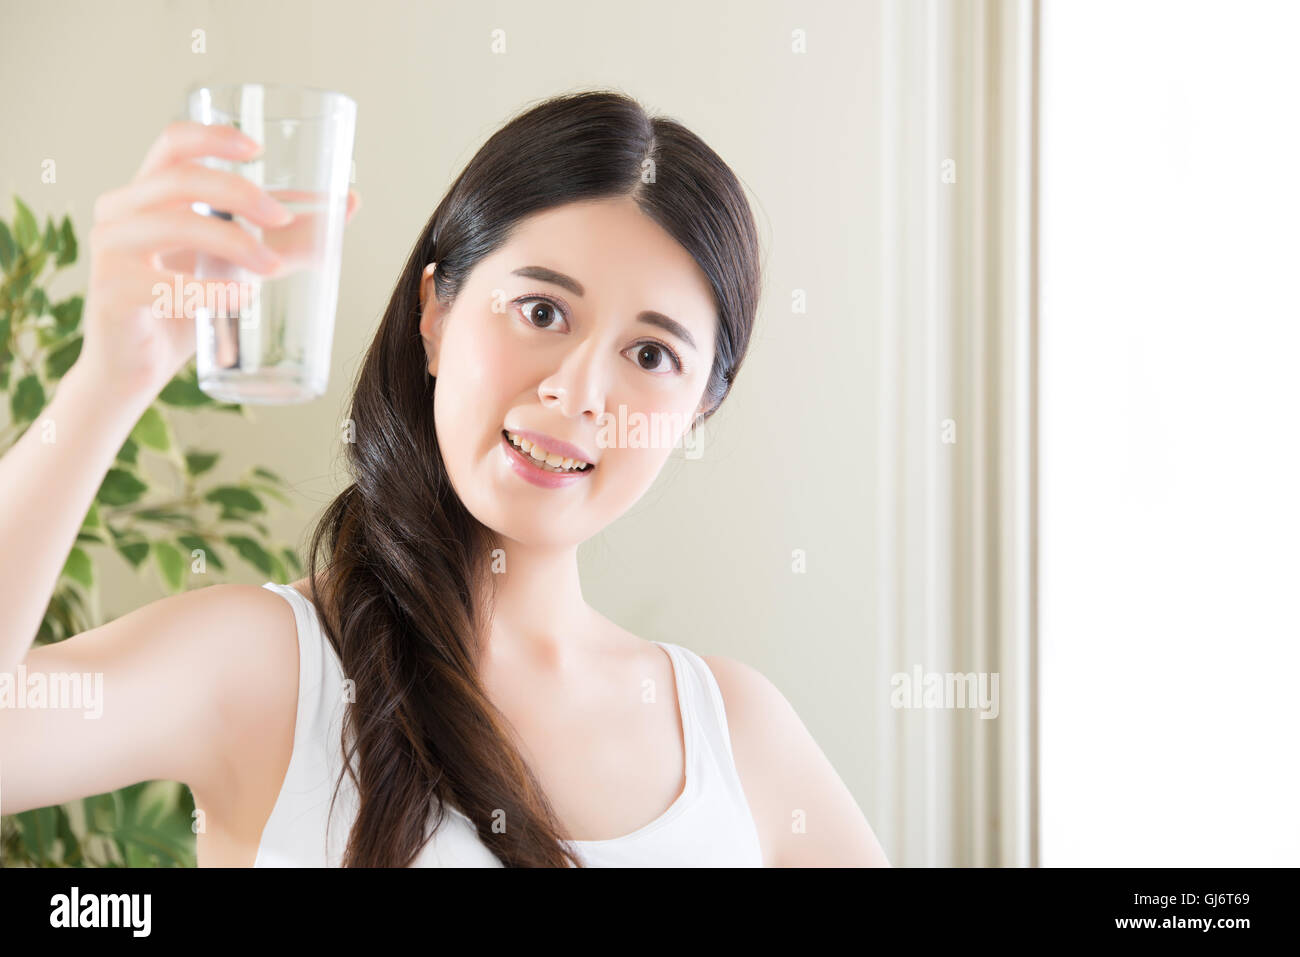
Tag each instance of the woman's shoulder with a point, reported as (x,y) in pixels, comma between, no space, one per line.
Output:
(241,619)
(757,712)
(258,638)
(242,648)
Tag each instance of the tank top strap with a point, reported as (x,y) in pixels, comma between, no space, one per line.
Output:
(310,637)
(291,833)
(705,705)
(320,673)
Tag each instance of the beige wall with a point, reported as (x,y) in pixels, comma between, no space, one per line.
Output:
(705,559)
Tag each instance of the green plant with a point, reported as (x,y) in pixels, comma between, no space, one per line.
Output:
(172,525)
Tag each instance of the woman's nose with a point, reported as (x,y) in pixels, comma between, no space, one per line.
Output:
(577,383)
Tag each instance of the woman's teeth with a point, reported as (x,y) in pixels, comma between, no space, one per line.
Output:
(546,460)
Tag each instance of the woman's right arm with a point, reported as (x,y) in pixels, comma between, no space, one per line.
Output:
(50,476)
(160,677)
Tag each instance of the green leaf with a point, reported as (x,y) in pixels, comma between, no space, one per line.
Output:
(71,839)
(5,355)
(76,606)
(275,493)
(120,487)
(36,263)
(229,515)
(196,463)
(131,545)
(60,621)
(67,314)
(38,303)
(8,248)
(25,230)
(58,362)
(51,243)
(170,564)
(85,536)
(134,552)
(252,552)
(291,559)
(79,567)
(129,452)
(48,335)
(60,614)
(165,516)
(277,570)
(40,830)
(151,431)
(92,519)
(184,392)
(232,497)
(20,282)
(28,399)
(149,825)
(195,541)
(68,244)
(268,474)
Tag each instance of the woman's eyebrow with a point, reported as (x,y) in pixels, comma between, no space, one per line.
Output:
(668,325)
(542,274)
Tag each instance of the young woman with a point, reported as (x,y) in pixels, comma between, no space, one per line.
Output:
(436,691)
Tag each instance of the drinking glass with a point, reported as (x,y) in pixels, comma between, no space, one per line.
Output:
(273,347)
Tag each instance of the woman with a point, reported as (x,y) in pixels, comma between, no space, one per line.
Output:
(436,690)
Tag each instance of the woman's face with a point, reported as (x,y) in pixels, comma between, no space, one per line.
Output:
(589,321)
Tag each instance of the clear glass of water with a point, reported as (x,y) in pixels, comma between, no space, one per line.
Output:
(273,346)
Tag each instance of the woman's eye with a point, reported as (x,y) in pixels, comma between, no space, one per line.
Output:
(539,313)
(651,357)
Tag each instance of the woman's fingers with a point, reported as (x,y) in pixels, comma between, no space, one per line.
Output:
(190,182)
(157,232)
(296,243)
(182,260)
(188,139)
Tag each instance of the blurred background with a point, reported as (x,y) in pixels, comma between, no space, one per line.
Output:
(1029,258)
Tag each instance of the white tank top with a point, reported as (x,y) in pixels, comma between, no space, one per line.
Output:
(709,825)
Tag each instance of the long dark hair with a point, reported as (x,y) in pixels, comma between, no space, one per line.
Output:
(407,588)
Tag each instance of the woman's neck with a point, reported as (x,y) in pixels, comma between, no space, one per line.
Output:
(539,615)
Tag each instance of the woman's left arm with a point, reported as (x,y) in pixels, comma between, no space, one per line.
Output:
(805,815)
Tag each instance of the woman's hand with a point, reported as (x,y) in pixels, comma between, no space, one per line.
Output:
(146,234)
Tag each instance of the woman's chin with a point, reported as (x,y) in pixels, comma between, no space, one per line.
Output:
(529,532)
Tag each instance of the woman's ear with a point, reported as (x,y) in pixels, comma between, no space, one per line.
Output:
(431,315)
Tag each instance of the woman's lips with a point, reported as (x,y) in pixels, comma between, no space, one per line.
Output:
(526,468)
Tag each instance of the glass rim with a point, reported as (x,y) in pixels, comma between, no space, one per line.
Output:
(335,100)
